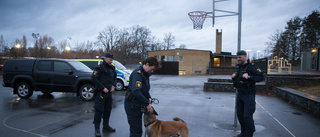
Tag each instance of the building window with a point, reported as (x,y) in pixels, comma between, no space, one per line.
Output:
(197,72)
(180,58)
(171,58)
(182,72)
(156,56)
(216,62)
(163,58)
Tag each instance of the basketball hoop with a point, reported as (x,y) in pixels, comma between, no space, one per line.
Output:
(198,18)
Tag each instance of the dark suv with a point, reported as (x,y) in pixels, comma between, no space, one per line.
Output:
(48,75)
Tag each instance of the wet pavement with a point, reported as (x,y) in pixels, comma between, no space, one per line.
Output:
(207,114)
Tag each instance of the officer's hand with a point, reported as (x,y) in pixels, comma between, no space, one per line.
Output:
(233,75)
(150,100)
(105,90)
(112,88)
(245,75)
(150,108)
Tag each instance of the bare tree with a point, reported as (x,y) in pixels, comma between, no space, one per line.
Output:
(108,37)
(169,40)
(84,50)
(2,45)
(182,46)
(274,41)
(23,50)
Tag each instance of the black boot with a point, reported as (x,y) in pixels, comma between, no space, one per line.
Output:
(249,134)
(97,133)
(108,129)
(240,135)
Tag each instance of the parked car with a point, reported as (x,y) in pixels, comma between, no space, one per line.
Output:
(123,73)
(48,75)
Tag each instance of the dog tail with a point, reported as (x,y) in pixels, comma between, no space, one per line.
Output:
(178,119)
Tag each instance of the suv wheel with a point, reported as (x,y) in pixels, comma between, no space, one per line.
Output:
(23,90)
(119,85)
(87,92)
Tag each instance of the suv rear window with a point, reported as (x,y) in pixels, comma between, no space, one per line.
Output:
(44,65)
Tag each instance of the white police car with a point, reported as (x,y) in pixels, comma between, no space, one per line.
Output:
(123,73)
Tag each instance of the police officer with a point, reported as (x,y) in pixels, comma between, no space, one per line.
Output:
(244,80)
(138,96)
(104,78)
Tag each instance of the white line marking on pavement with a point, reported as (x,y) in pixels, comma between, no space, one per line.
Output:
(4,123)
(277,120)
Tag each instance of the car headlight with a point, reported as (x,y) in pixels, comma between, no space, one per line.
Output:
(127,76)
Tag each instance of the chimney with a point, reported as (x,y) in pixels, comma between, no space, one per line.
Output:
(218,41)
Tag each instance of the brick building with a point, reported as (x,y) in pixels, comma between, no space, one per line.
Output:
(190,61)
(201,62)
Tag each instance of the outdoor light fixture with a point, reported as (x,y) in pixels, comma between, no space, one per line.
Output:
(248,50)
(18,45)
(314,50)
(68,48)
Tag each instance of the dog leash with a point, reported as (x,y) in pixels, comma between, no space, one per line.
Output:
(155,101)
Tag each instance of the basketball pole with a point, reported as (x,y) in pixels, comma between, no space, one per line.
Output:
(198,18)
(235,124)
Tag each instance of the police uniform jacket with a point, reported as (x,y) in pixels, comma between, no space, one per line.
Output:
(139,86)
(104,76)
(254,73)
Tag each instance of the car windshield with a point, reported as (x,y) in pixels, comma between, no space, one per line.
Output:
(79,66)
(119,65)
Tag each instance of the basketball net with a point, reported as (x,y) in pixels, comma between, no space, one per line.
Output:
(197,18)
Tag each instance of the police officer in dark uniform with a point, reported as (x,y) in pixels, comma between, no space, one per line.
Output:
(138,96)
(104,78)
(244,80)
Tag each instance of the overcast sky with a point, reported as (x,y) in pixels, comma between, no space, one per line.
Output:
(82,20)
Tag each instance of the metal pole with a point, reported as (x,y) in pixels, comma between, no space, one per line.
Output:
(235,124)
(239,23)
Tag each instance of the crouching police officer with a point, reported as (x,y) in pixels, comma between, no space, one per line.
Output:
(104,78)
(244,80)
(138,96)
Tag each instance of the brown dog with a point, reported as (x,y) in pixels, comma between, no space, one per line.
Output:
(157,128)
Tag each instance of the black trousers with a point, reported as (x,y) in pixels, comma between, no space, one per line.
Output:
(246,106)
(102,106)
(134,116)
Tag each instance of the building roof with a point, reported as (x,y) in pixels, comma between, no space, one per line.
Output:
(180,49)
(223,55)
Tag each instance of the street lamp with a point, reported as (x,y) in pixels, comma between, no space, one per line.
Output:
(248,50)
(18,45)
(68,48)
(258,53)
(48,48)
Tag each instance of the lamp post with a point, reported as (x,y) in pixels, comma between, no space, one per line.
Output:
(18,46)
(258,53)
(248,50)
(68,48)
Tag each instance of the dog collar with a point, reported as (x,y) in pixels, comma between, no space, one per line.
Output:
(148,124)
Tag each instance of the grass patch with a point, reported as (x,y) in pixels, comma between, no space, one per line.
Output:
(310,89)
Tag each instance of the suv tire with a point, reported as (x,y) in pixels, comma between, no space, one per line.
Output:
(86,92)
(23,90)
